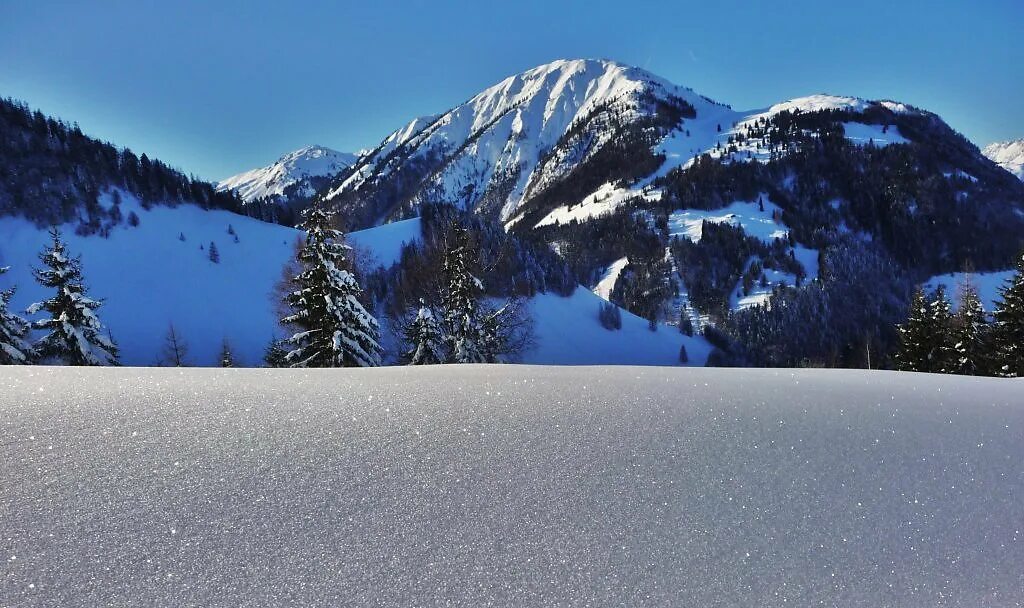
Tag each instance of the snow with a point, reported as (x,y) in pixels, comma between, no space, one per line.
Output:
(271,181)
(569,333)
(385,241)
(149,279)
(688,223)
(604,200)
(508,127)
(605,286)
(988,285)
(1008,155)
(509,485)
(745,214)
(861,134)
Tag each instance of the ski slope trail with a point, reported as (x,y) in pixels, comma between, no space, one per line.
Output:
(509,486)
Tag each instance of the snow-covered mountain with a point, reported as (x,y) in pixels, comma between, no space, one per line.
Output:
(515,140)
(289,175)
(1008,155)
(583,135)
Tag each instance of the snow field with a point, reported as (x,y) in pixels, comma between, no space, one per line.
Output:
(510,486)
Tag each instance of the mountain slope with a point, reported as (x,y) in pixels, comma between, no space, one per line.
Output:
(514,141)
(52,173)
(1008,155)
(159,272)
(290,175)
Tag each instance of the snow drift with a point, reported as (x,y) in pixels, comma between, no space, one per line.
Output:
(505,485)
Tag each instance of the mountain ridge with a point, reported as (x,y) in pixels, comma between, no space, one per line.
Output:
(1008,155)
(274,179)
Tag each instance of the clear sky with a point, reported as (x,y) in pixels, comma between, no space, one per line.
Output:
(217,87)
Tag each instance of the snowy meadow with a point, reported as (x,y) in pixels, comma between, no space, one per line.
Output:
(509,486)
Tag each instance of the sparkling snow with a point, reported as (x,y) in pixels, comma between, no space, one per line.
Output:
(508,485)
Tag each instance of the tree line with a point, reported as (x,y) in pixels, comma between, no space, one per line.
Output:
(935,339)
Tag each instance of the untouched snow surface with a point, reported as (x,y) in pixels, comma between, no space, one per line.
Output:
(509,486)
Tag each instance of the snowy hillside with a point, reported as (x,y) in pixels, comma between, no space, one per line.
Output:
(159,273)
(510,486)
(1008,155)
(293,168)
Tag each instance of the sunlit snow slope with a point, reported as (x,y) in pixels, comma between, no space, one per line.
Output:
(509,486)
(159,273)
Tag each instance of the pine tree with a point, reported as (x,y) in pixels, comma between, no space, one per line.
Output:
(335,330)
(227,355)
(75,335)
(924,338)
(1008,328)
(425,340)
(943,352)
(276,353)
(14,350)
(970,333)
(214,254)
(175,351)
(461,300)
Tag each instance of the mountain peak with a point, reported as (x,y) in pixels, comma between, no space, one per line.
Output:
(1008,155)
(311,161)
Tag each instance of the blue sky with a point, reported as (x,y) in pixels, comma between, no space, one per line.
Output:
(215,88)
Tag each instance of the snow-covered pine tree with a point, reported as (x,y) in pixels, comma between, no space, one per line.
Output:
(461,300)
(918,337)
(970,333)
(424,338)
(275,354)
(227,355)
(335,330)
(943,354)
(214,254)
(75,335)
(14,350)
(1008,328)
